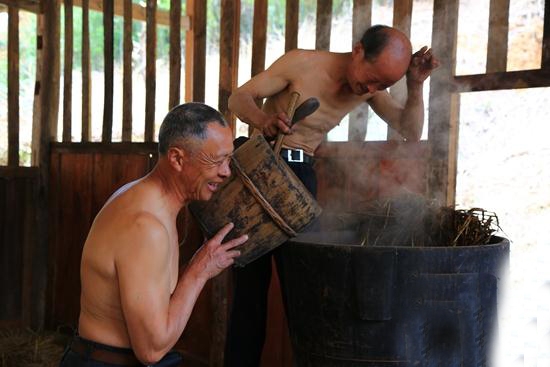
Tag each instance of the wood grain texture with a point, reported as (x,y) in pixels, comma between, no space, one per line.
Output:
(13,86)
(127,73)
(150,70)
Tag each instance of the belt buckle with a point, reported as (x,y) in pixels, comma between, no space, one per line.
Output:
(289,157)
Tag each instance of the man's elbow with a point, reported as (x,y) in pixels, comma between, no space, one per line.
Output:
(149,356)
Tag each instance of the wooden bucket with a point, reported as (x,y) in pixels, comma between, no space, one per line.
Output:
(263,198)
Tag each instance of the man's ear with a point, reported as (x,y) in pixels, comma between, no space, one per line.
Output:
(357,49)
(176,158)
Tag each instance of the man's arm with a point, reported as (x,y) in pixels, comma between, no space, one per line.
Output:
(266,84)
(155,319)
(408,120)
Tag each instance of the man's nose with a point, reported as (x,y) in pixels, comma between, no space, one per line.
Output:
(225,169)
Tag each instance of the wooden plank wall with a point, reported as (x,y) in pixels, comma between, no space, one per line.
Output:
(18,210)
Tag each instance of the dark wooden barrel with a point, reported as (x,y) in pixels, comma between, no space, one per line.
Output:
(263,198)
(351,305)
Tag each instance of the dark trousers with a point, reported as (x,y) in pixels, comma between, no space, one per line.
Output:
(247,324)
(72,358)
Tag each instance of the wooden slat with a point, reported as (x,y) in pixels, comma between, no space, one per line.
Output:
(68,72)
(175,53)
(28,5)
(497,45)
(195,52)
(229,55)
(29,240)
(444,105)
(150,70)
(506,80)
(109,64)
(49,102)
(323,27)
(362,15)
(107,148)
(86,74)
(13,86)
(37,103)
(139,12)
(545,62)
(127,73)
(402,13)
(291,24)
(259,35)
(15,172)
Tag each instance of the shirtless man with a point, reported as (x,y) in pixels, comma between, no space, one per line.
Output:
(341,82)
(135,302)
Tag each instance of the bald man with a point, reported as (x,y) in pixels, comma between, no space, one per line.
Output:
(341,82)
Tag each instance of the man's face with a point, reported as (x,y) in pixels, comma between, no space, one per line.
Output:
(366,76)
(208,165)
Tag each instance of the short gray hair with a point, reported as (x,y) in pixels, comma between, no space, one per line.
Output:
(188,120)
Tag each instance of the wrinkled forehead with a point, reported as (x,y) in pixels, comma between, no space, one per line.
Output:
(219,139)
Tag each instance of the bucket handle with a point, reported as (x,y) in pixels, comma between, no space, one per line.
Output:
(290,113)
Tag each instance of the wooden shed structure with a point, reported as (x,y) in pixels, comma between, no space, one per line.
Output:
(46,209)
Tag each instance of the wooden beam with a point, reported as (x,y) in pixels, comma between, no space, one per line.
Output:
(68,72)
(504,80)
(109,65)
(361,21)
(291,24)
(32,6)
(444,105)
(229,55)
(497,44)
(545,62)
(259,39)
(229,65)
(175,53)
(324,24)
(150,70)
(127,73)
(86,75)
(259,35)
(49,105)
(402,13)
(195,52)
(13,86)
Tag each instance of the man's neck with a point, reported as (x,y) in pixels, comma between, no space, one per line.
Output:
(171,191)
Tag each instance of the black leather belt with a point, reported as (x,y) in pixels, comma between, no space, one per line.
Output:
(91,350)
(296,156)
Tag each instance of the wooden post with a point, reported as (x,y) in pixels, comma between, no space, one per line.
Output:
(497,45)
(13,86)
(48,96)
(175,53)
(127,73)
(444,105)
(68,72)
(229,55)
(323,27)
(195,52)
(86,75)
(545,62)
(229,64)
(259,35)
(362,14)
(291,24)
(402,13)
(150,70)
(108,55)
